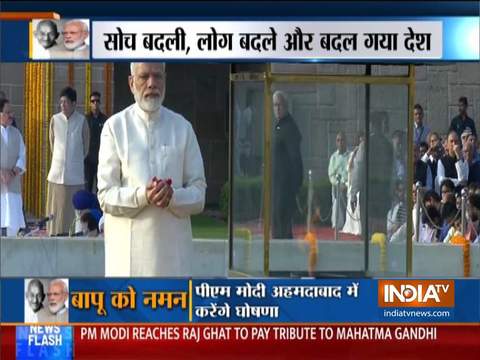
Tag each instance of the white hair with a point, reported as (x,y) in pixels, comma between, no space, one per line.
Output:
(59,282)
(83,25)
(133,64)
(281,95)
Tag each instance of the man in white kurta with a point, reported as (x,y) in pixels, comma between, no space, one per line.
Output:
(69,141)
(338,175)
(12,153)
(147,220)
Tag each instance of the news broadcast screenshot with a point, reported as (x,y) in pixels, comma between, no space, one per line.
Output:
(240,180)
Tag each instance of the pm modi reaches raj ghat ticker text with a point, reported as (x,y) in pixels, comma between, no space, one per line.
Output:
(147,225)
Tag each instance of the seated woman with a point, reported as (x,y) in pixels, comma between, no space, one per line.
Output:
(84,202)
(429,227)
(449,213)
(455,230)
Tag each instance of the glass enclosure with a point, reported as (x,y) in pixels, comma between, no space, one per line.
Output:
(247,167)
(321,175)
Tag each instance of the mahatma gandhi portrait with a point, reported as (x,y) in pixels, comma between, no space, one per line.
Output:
(47,33)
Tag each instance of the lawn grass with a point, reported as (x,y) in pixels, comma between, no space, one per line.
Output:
(206,227)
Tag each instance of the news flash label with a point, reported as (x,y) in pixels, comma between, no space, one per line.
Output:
(292,40)
(44,342)
(416,293)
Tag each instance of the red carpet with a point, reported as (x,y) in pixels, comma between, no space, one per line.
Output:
(299,231)
(323,233)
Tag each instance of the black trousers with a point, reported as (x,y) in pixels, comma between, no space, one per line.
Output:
(282,214)
(91,169)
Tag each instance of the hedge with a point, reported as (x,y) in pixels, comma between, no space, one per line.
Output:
(249,198)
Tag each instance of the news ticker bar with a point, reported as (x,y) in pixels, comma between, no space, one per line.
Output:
(241,340)
(384,39)
(251,300)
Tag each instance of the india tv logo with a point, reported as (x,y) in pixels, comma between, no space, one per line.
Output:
(416,293)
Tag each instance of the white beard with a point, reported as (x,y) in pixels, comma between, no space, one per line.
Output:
(55,308)
(150,104)
(74,45)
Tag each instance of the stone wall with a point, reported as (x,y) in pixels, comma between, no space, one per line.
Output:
(84,257)
(97,83)
(321,110)
(200,93)
(439,87)
(12,84)
(12,78)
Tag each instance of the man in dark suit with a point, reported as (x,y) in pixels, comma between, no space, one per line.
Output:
(380,156)
(287,167)
(461,122)
(95,119)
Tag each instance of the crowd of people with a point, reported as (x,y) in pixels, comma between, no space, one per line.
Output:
(447,169)
(445,166)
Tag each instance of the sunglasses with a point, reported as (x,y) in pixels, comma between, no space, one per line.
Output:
(95,101)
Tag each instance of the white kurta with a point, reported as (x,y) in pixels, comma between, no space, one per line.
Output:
(338,173)
(462,170)
(40,53)
(142,239)
(31,317)
(61,52)
(47,317)
(11,211)
(69,141)
(352,218)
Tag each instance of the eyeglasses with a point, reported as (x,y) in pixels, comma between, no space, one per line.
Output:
(95,101)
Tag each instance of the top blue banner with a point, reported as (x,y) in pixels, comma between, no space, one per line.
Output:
(385,40)
(246,9)
(287,31)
